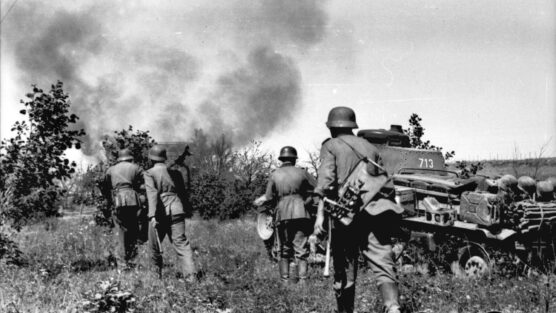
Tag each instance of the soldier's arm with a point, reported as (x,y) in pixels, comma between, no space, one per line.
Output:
(270,189)
(387,190)
(264,199)
(326,172)
(106,186)
(138,180)
(152,194)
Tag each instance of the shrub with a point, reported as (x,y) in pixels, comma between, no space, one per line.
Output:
(109,297)
(225,182)
(33,160)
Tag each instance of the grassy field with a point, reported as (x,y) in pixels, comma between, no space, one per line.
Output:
(537,168)
(68,260)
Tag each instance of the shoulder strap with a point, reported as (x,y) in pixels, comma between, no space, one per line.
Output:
(362,156)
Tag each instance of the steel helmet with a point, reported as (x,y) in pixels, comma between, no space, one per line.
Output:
(341,117)
(527,184)
(157,153)
(552,180)
(545,191)
(507,182)
(287,152)
(124,155)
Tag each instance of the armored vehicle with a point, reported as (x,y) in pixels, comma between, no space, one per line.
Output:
(482,216)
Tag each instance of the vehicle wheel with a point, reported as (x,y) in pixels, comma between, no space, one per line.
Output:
(474,261)
(476,266)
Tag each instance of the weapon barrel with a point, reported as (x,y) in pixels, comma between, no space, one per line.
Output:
(326,272)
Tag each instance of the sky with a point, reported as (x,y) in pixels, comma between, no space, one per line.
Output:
(481,74)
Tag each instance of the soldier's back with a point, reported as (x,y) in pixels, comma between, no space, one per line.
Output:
(348,151)
(125,174)
(289,179)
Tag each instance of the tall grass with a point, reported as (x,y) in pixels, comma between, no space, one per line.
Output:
(67,259)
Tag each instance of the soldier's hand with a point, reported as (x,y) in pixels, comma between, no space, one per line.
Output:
(319,225)
(260,200)
(154,222)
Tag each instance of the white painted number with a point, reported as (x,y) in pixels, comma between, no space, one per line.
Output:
(428,163)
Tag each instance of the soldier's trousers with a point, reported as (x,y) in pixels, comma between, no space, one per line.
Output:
(294,236)
(174,227)
(126,220)
(370,235)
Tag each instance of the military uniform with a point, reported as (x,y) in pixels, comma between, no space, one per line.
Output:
(124,180)
(166,191)
(371,229)
(290,186)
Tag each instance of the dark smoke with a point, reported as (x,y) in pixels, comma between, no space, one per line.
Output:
(59,49)
(254,99)
(144,83)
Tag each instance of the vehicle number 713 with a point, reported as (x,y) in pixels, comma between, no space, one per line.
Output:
(426,163)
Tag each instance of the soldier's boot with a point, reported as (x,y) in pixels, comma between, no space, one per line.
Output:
(345,299)
(293,273)
(389,293)
(284,267)
(302,271)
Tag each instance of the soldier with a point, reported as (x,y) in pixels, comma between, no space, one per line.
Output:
(165,191)
(180,165)
(371,234)
(124,180)
(290,187)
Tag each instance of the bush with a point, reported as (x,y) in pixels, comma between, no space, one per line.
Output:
(33,160)
(225,182)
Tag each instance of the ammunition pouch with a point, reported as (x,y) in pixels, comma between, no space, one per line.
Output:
(124,197)
(363,190)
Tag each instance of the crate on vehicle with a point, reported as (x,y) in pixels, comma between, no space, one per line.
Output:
(406,198)
(437,213)
(479,207)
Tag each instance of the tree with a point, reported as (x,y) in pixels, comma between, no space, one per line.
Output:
(34,159)
(416,132)
(139,143)
(225,182)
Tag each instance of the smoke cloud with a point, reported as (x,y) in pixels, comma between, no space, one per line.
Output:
(231,68)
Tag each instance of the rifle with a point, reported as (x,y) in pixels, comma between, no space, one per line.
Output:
(181,158)
(326,272)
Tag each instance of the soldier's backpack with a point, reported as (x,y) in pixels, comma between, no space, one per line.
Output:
(360,188)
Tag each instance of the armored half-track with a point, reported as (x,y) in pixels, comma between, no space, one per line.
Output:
(482,213)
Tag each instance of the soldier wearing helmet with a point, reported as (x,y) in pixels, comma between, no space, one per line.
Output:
(527,187)
(290,188)
(123,181)
(165,191)
(369,234)
(507,188)
(545,191)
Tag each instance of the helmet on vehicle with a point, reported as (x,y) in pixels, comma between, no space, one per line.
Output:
(552,180)
(527,184)
(341,117)
(507,182)
(124,155)
(545,191)
(157,153)
(287,152)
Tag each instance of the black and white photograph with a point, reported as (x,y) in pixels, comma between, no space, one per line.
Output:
(312,156)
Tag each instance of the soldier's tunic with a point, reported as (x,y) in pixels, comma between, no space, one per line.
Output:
(289,186)
(124,180)
(165,191)
(370,234)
